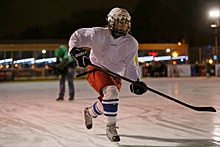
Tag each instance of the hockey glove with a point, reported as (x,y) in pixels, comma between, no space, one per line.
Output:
(80,56)
(138,87)
(54,71)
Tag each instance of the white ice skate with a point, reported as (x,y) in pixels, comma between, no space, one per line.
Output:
(112,133)
(87,118)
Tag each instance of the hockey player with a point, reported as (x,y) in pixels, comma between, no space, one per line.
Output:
(113,48)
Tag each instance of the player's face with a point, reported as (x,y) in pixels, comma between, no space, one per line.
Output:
(121,24)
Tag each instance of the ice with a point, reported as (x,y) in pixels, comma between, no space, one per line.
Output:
(30,116)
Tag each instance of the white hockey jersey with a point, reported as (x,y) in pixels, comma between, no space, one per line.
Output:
(117,55)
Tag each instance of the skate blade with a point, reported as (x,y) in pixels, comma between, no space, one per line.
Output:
(87,126)
(114,139)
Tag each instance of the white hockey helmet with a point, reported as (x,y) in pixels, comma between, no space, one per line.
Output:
(118,14)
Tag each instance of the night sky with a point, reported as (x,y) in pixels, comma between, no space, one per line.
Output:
(153,21)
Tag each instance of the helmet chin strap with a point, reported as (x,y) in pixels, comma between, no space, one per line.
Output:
(117,33)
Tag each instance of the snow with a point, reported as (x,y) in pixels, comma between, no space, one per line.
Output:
(30,116)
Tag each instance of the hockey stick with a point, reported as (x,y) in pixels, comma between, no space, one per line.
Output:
(85,73)
(210,109)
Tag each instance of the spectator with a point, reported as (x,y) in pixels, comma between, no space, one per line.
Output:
(207,68)
(197,68)
(67,69)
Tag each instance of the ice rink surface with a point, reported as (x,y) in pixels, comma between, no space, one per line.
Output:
(30,116)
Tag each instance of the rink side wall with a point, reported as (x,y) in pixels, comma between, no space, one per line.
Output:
(184,70)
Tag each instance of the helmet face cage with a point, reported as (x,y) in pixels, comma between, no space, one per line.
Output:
(119,14)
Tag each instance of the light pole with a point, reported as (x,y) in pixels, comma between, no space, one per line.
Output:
(215,15)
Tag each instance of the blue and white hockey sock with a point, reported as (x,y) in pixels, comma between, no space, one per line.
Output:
(96,109)
(110,104)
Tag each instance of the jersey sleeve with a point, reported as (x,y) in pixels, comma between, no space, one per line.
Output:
(82,38)
(131,62)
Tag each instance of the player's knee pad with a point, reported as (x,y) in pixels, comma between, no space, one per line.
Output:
(110,103)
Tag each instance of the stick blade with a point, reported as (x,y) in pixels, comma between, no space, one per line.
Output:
(209,109)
